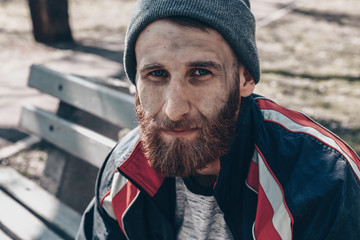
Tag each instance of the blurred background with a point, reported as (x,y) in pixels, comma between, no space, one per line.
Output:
(310,59)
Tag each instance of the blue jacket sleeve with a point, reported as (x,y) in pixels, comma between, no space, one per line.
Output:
(335,216)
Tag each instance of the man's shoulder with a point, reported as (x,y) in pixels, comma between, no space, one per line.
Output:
(286,125)
(122,150)
(292,143)
(125,146)
(306,166)
(118,155)
(273,112)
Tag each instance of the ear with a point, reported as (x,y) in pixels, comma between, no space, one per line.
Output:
(247,83)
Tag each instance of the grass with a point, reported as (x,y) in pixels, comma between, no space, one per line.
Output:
(311,63)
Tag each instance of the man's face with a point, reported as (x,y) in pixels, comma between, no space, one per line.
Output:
(187,96)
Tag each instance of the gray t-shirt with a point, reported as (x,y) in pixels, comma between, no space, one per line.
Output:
(198,216)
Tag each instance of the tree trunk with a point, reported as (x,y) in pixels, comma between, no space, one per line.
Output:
(50,20)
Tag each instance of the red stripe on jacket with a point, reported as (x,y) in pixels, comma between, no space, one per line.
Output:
(123,200)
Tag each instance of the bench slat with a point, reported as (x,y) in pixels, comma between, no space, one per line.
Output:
(22,223)
(4,236)
(75,139)
(115,106)
(38,201)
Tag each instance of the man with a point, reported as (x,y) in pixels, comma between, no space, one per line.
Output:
(211,160)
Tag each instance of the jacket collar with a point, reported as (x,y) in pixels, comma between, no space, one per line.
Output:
(136,168)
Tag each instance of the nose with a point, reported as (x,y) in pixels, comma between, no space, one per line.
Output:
(177,105)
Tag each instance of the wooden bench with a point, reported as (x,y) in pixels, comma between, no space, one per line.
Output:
(91,116)
(29,212)
(113,106)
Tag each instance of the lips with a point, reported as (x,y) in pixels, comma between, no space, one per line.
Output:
(181,132)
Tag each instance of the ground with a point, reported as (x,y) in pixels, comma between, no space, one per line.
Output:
(311,63)
(310,59)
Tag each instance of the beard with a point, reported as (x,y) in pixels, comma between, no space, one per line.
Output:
(184,157)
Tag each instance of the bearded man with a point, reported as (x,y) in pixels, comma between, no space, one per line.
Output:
(211,160)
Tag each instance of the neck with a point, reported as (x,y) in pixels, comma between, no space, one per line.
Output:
(207,176)
(211,169)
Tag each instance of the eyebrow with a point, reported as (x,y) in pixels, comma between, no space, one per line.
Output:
(205,64)
(151,66)
(195,64)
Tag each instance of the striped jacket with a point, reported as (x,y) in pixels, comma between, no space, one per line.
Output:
(285,177)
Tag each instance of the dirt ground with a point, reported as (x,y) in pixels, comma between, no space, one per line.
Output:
(310,59)
(311,63)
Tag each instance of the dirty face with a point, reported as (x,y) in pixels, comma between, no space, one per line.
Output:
(188,96)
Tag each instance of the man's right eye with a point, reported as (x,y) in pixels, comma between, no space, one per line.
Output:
(158,73)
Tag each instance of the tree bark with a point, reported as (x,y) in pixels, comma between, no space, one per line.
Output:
(50,20)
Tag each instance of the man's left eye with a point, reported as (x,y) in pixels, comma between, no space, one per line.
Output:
(200,72)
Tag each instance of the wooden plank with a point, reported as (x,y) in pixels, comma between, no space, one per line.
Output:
(37,200)
(115,106)
(16,219)
(4,236)
(73,138)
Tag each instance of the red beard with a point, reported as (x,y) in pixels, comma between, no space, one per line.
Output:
(184,157)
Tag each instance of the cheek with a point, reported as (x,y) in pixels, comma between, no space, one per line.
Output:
(151,101)
(210,101)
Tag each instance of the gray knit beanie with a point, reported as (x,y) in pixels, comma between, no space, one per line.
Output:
(231,18)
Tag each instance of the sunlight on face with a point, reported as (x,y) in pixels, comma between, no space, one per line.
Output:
(187,97)
(183,71)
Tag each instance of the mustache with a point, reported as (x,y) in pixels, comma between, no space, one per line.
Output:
(185,123)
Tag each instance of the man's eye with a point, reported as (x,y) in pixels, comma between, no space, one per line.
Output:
(200,72)
(158,73)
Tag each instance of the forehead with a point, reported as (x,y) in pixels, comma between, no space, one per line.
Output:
(164,36)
